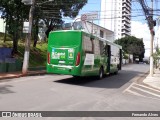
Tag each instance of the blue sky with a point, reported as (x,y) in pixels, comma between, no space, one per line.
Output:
(139,27)
(91,6)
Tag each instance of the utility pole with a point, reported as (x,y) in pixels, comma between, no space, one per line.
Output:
(28,39)
(151,25)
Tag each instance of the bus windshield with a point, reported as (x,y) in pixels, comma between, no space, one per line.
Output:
(61,38)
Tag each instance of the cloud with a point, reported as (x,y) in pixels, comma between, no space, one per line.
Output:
(141,30)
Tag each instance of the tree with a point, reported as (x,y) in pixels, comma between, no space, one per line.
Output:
(132,45)
(52,12)
(156,56)
(15,13)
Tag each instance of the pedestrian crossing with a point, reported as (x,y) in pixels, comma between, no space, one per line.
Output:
(143,91)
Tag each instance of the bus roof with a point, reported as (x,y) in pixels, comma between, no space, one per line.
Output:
(66,31)
(102,39)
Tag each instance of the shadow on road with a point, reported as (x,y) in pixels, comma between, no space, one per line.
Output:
(111,81)
(5,89)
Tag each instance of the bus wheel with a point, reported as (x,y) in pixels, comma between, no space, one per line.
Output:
(101,73)
(76,77)
(116,72)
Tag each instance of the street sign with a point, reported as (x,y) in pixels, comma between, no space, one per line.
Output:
(27,2)
(89,16)
(26,27)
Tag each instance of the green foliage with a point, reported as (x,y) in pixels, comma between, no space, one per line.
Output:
(132,45)
(156,55)
(38,56)
(54,11)
(125,56)
(15,13)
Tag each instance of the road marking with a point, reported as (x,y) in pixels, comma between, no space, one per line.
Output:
(135,93)
(142,90)
(147,87)
(128,88)
(146,91)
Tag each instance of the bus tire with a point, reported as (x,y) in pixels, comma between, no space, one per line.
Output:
(101,73)
(76,77)
(116,72)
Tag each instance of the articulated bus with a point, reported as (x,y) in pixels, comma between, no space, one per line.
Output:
(77,53)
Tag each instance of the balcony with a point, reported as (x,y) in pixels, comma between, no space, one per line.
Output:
(124,34)
(127,4)
(126,1)
(124,19)
(125,29)
(126,8)
(127,16)
(127,25)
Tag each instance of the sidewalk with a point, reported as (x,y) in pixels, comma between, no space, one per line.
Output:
(19,74)
(153,81)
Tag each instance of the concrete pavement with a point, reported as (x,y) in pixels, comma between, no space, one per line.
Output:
(153,81)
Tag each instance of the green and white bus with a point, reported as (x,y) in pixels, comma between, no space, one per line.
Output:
(77,53)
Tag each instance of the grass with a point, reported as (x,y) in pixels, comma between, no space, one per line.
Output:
(38,55)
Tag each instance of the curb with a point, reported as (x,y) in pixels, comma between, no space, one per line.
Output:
(142,77)
(10,77)
(150,85)
(17,75)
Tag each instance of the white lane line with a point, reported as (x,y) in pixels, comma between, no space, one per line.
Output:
(135,93)
(147,87)
(128,88)
(146,91)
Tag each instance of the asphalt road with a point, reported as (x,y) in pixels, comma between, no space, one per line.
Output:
(119,92)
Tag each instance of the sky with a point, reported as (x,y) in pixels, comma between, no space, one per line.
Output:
(139,27)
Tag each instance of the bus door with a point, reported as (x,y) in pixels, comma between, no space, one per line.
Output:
(108,51)
(120,59)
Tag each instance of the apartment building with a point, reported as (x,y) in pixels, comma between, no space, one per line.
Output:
(115,16)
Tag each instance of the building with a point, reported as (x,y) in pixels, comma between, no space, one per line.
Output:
(98,31)
(115,16)
(91,28)
(2,26)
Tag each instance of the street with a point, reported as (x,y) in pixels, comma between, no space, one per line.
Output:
(49,92)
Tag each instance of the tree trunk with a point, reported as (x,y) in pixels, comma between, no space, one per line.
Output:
(50,28)
(36,34)
(15,43)
(5,29)
(5,33)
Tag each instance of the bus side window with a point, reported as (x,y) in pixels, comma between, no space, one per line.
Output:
(105,50)
(102,48)
(92,42)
